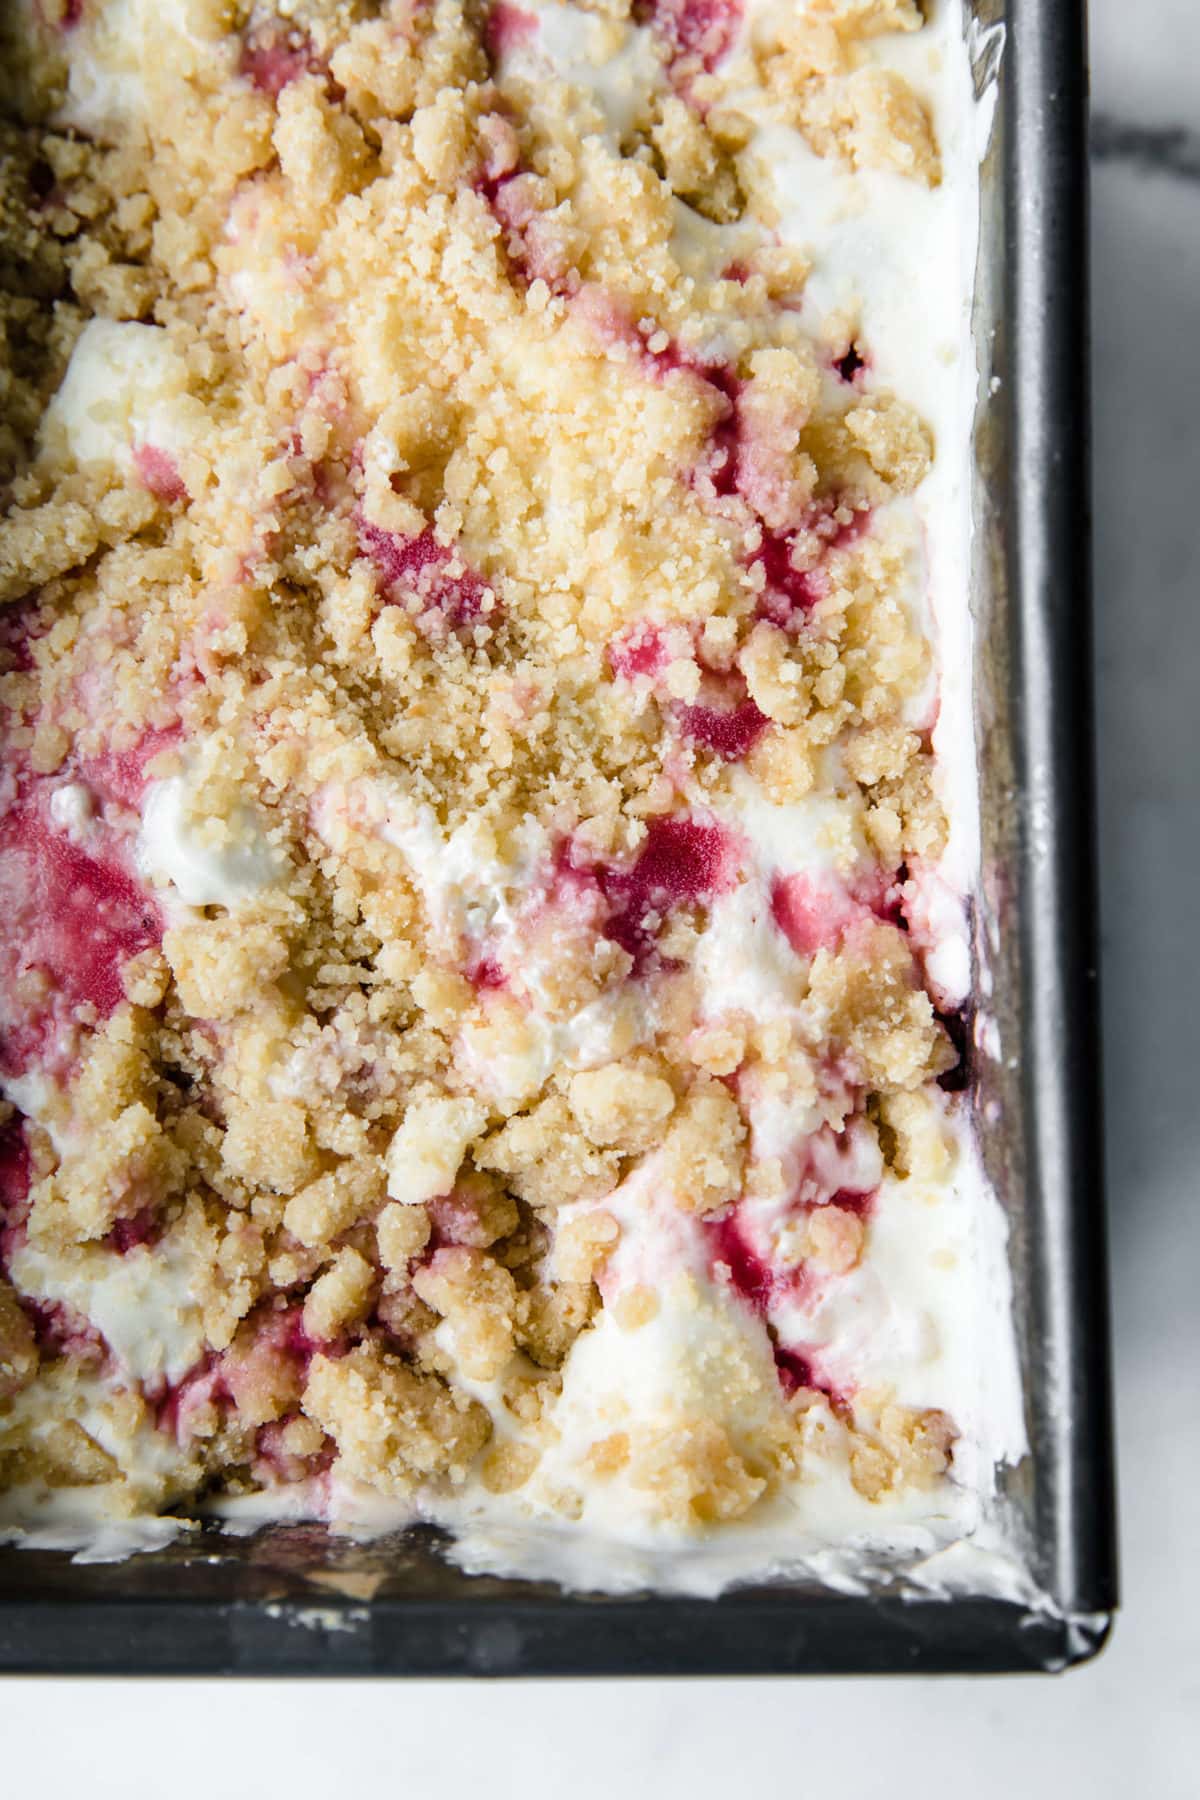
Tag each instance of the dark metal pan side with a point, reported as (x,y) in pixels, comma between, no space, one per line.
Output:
(1048,555)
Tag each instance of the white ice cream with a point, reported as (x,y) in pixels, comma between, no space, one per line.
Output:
(141,1303)
(611,63)
(125,389)
(201,860)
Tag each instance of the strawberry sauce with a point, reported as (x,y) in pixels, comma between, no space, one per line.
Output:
(419,566)
(680,861)
(698,30)
(69,922)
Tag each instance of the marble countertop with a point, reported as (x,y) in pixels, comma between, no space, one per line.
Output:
(1129,1724)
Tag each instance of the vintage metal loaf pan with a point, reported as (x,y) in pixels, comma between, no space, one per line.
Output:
(293,1600)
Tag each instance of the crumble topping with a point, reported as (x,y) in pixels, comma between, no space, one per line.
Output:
(468,803)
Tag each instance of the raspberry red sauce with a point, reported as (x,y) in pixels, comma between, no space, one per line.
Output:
(129,1234)
(533,253)
(681,860)
(795,1371)
(121,774)
(217,1378)
(417,565)
(271,61)
(69,916)
(486,974)
(790,593)
(158,472)
(61,1331)
(15,1176)
(639,651)
(749,1275)
(810,915)
(174,1400)
(20,626)
(729,732)
(507,28)
(862,1205)
(704,29)
(726,435)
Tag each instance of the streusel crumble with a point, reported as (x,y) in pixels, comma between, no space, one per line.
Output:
(483,865)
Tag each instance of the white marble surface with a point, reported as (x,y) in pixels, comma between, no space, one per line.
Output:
(1128,1725)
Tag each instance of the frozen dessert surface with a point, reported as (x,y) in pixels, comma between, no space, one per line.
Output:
(487,811)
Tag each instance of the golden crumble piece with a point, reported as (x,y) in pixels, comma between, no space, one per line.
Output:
(775,471)
(326,1207)
(65,1456)
(782,764)
(907,1447)
(704,1150)
(427,1150)
(888,126)
(692,1473)
(623,1105)
(869,18)
(915,1137)
(443,139)
(221,966)
(267,1144)
(507,1467)
(263,1381)
(608,1455)
(717,1049)
(128,1165)
(479,1298)
(868,116)
(340,1297)
(697,165)
(18,1346)
(865,998)
(321,148)
(145,978)
(776,679)
(443,996)
(501,1037)
(881,753)
(39,543)
(302,1438)
(832,1239)
(896,442)
(546,1159)
(582,1240)
(550,1317)
(391,1425)
(401,1232)
(377,66)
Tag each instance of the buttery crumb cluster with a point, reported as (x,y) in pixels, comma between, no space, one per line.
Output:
(466,788)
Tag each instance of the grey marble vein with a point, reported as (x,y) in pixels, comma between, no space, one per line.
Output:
(1164,149)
